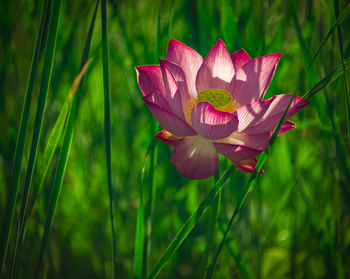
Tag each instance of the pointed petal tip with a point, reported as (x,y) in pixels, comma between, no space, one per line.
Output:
(167,137)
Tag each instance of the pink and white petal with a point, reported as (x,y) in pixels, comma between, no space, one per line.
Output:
(240,58)
(217,70)
(253,79)
(157,99)
(254,141)
(167,137)
(195,158)
(211,123)
(236,152)
(172,91)
(188,60)
(247,166)
(249,115)
(170,121)
(286,126)
(181,81)
(150,79)
(269,121)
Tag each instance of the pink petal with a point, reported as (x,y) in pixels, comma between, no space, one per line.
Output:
(240,58)
(254,141)
(236,153)
(169,121)
(167,137)
(188,60)
(150,79)
(195,158)
(270,119)
(211,123)
(172,91)
(181,81)
(253,79)
(157,99)
(286,126)
(249,115)
(217,69)
(247,166)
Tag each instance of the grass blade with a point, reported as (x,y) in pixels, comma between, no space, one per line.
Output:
(154,158)
(139,223)
(190,223)
(332,76)
(44,88)
(211,230)
(19,150)
(246,190)
(340,39)
(64,153)
(50,149)
(340,19)
(107,124)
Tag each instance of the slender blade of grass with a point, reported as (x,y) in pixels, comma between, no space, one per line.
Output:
(19,150)
(50,149)
(246,190)
(154,159)
(332,76)
(340,19)
(107,124)
(139,223)
(190,223)
(41,105)
(65,149)
(211,230)
(340,39)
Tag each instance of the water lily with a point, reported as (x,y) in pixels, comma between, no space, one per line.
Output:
(214,105)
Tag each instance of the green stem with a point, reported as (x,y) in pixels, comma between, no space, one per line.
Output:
(211,231)
(107,124)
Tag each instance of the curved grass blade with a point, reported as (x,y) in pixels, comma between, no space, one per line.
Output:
(236,254)
(246,190)
(211,230)
(190,223)
(65,149)
(154,158)
(340,39)
(107,124)
(50,149)
(44,89)
(61,167)
(19,150)
(332,76)
(340,19)
(139,223)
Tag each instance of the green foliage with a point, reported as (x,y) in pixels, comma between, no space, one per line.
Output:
(294,223)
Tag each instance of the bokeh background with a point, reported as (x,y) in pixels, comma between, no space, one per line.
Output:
(296,221)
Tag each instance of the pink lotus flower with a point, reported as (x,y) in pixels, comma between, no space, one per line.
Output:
(214,105)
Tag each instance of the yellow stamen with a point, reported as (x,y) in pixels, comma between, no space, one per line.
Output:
(220,100)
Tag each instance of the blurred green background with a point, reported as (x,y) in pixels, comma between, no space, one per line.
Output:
(296,221)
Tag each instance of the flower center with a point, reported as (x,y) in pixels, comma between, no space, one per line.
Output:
(220,100)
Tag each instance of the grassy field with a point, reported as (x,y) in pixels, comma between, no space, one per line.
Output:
(87,192)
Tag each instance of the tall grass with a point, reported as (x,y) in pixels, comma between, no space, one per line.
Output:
(55,206)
